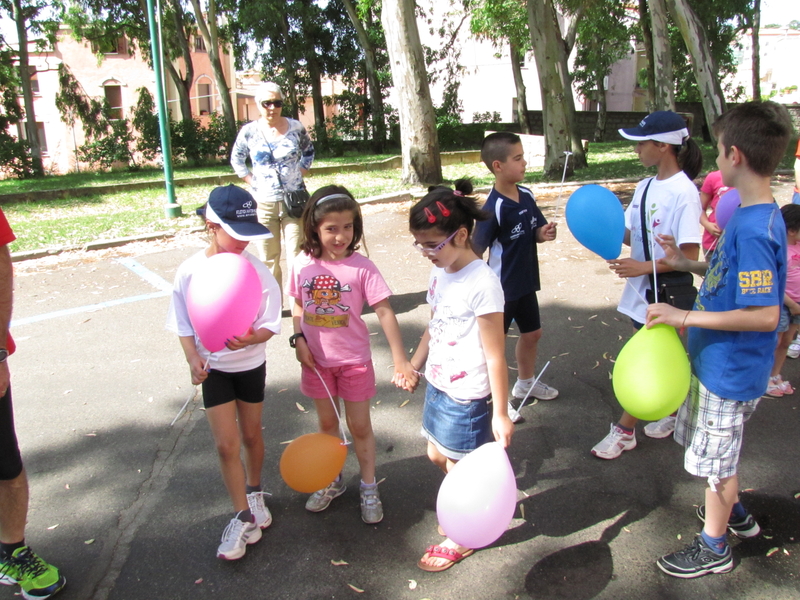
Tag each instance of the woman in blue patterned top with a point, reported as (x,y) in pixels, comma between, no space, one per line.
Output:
(281,153)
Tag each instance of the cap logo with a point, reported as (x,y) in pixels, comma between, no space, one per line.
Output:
(247,204)
(643,122)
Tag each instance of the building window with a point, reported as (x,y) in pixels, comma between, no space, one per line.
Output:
(114,99)
(199,44)
(204,100)
(105,46)
(34,79)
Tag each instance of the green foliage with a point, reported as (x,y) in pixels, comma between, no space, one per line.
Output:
(145,122)
(15,157)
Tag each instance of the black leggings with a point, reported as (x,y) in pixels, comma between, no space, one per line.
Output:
(10,459)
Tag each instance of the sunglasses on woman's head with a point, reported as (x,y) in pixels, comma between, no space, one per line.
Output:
(275,103)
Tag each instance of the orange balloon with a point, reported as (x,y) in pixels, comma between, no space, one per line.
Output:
(312,461)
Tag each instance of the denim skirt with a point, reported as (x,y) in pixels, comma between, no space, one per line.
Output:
(456,427)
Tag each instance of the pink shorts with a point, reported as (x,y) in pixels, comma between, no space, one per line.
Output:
(355,383)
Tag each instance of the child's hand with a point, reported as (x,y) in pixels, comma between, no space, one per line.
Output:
(666,314)
(199,374)
(627,267)
(713,229)
(503,429)
(674,257)
(794,308)
(303,353)
(547,233)
(238,342)
(406,376)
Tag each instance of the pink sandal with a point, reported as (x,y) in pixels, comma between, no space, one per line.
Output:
(450,554)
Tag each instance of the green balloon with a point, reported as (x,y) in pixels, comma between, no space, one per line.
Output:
(652,373)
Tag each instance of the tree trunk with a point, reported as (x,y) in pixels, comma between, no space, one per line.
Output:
(370,66)
(289,69)
(703,63)
(567,41)
(31,131)
(647,41)
(664,84)
(182,84)
(419,140)
(519,84)
(315,75)
(602,98)
(208,29)
(547,49)
(756,26)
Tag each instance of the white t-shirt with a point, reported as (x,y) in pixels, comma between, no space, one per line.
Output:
(456,362)
(673,208)
(268,317)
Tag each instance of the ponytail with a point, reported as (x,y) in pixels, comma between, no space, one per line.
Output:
(690,158)
(446,209)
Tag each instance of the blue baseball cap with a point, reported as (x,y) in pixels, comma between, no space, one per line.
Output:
(234,209)
(660,126)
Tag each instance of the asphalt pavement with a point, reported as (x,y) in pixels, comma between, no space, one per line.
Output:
(132,509)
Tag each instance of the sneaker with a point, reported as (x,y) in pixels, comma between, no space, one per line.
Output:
(746,527)
(371,506)
(615,443)
(260,511)
(542,391)
(660,429)
(36,578)
(794,349)
(321,499)
(514,415)
(695,560)
(236,537)
(774,388)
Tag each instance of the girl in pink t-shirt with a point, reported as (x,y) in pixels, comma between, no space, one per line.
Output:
(331,283)
(790,311)
(710,193)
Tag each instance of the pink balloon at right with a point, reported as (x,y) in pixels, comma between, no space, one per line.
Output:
(728,202)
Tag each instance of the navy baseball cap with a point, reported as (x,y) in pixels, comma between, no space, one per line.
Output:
(234,209)
(660,126)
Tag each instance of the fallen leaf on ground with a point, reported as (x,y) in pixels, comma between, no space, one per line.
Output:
(786,552)
(283,390)
(300,407)
(53,526)
(198,580)
(522,510)
(339,563)
(87,542)
(406,401)
(679,536)
(772,551)
(604,323)
(596,364)
(355,589)
(412,585)
(286,442)
(592,317)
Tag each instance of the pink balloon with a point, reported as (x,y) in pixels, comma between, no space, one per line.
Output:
(728,202)
(223,299)
(478,497)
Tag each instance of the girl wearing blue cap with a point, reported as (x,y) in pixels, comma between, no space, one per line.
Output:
(667,204)
(233,378)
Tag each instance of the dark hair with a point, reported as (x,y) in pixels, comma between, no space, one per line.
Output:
(761,132)
(329,199)
(447,210)
(791,216)
(690,157)
(496,146)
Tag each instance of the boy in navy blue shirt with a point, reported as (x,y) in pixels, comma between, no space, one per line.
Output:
(511,235)
(732,331)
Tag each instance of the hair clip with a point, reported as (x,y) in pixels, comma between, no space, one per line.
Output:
(442,209)
(430,215)
(458,193)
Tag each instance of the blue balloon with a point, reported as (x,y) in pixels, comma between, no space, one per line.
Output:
(596,219)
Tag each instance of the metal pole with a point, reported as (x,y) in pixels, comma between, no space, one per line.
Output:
(171,209)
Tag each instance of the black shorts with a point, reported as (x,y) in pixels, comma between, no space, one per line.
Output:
(10,459)
(221,387)
(525,311)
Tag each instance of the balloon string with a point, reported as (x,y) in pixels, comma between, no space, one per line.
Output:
(535,381)
(653,257)
(335,408)
(563,177)
(192,392)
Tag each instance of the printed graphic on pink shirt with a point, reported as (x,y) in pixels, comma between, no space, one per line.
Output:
(324,307)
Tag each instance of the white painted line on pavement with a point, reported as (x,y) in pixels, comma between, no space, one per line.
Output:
(155,280)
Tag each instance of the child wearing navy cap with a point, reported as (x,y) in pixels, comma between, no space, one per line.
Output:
(233,379)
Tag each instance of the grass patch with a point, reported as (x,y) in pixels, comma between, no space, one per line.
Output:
(76,221)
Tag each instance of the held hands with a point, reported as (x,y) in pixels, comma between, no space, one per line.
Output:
(406,377)
(547,233)
(627,267)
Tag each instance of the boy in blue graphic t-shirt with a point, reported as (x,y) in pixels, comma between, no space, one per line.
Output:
(732,331)
(511,233)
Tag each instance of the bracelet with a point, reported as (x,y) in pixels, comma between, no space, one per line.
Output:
(293,339)
(684,319)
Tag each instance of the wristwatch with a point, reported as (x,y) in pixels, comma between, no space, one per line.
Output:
(292,339)
(3,355)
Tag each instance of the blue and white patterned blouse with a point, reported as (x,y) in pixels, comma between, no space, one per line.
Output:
(287,155)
